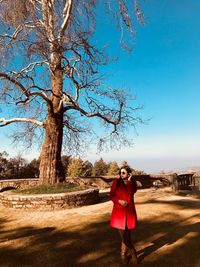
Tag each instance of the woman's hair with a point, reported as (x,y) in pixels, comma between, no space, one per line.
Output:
(125,167)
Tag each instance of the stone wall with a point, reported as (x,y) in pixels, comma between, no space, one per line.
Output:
(143,181)
(100,182)
(196,185)
(17,183)
(50,201)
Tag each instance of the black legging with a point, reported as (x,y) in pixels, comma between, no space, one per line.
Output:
(126,237)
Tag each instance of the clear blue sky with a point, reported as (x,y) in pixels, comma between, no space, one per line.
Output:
(163,71)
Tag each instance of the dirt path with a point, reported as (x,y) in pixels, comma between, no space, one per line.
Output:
(168,234)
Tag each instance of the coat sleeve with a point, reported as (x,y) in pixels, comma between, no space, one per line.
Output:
(112,192)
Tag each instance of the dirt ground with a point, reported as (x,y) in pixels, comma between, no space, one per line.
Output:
(168,234)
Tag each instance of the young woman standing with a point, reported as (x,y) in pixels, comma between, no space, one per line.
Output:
(124,216)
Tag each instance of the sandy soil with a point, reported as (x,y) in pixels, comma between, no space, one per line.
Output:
(168,234)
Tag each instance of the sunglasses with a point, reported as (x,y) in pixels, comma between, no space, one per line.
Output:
(123,172)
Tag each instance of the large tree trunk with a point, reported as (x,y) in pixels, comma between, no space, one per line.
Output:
(51,169)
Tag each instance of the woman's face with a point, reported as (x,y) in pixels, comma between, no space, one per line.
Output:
(124,174)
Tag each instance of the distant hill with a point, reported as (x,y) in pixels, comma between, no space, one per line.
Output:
(193,169)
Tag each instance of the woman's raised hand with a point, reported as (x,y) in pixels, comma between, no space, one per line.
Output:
(129,178)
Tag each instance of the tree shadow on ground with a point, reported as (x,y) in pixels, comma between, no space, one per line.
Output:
(181,203)
(95,244)
(104,196)
(177,245)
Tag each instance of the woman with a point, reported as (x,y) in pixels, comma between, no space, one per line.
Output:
(124,216)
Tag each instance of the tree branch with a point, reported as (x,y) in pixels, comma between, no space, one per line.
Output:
(47,12)
(6,122)
(43,95)
(25,91)
(35,1)
(11,79)
(15,34)
(75,106)
(66,15)
(31,67)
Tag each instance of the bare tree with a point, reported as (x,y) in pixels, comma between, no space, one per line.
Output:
(50,77)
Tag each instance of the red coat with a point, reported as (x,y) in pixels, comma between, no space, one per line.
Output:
(123,216)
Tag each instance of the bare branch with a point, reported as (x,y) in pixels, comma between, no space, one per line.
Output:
(36,1)
(15,34)
(31,67)
(75,106)
(66,15)
(47,12)
(25,91)
(14,81)
(6,122)
(139,13)
(43,95)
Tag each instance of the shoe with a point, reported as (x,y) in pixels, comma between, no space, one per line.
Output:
(125,254)
(134,258)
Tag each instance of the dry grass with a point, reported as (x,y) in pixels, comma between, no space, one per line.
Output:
(50,189)
(168,234)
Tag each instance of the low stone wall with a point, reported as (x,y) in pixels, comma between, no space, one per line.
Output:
(100,182)
(196,186)
(143,181)
(50,201)
(18,183)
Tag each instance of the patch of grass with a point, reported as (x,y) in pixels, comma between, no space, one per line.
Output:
(50,189)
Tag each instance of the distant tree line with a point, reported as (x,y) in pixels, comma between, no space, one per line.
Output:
(18,167)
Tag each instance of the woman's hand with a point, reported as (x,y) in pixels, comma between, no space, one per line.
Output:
(129,178)
(123,202)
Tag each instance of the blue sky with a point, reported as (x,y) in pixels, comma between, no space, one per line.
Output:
(163,71)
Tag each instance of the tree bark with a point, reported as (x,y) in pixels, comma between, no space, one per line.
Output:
(51,169)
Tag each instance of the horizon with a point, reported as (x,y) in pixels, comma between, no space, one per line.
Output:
(150,165)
